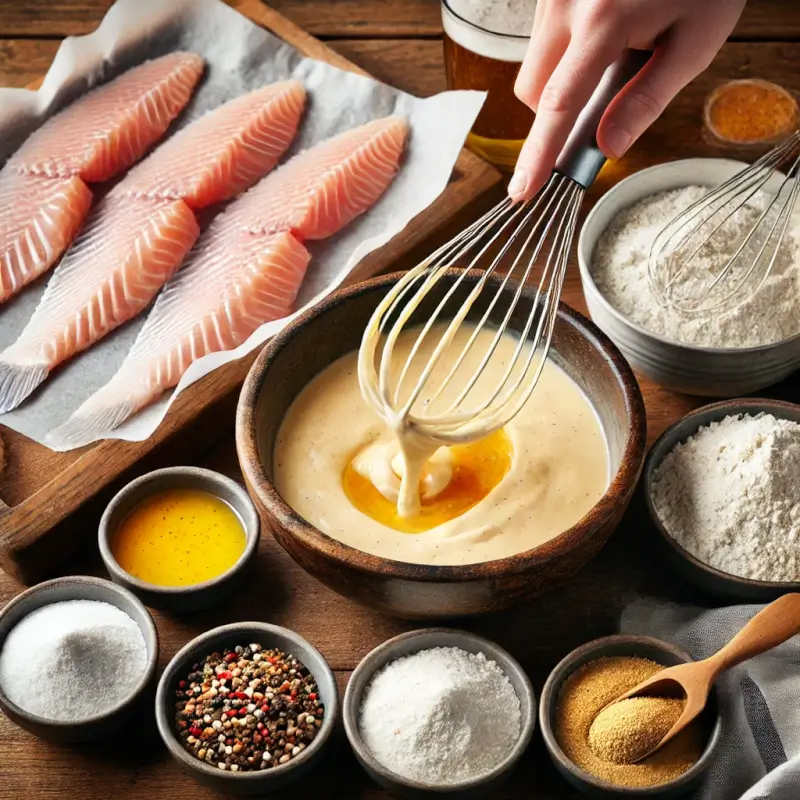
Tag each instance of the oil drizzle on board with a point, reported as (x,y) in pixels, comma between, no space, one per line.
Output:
(179,537)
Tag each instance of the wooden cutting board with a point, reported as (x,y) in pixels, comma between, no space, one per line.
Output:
(40,489)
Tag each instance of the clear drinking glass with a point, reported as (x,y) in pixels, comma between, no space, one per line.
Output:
(477,57)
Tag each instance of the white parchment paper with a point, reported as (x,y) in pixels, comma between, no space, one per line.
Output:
(240,56)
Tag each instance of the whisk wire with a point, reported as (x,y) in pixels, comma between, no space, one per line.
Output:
(503,325)
(564,199)
(671,267)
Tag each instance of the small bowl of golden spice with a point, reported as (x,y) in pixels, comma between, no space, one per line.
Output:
(597,744)
(500,520)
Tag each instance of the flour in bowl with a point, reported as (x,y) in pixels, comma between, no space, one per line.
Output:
(730,496)
(619,269)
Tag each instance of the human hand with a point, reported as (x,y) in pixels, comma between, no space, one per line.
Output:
(572,43)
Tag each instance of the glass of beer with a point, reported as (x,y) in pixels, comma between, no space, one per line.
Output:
(484,44)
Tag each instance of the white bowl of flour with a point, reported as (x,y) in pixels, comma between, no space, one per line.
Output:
(721,487)
(724,355)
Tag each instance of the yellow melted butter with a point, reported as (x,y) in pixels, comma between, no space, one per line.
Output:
(179,537)
(477,468)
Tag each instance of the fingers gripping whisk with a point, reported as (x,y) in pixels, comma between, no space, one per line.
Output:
(526,244)
(717,253)
(520,244)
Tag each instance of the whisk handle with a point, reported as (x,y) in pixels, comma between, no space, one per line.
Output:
(581,158)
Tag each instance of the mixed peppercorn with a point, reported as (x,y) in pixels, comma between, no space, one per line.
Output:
(247,709)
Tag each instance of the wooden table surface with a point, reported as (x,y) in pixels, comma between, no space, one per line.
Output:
(398,41)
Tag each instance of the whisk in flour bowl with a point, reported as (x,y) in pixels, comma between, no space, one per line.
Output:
(733,353)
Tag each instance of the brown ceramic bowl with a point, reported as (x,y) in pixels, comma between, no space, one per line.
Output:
(711,580)
(333,328)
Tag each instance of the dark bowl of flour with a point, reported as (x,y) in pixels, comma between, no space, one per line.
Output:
(721,488)
(439,712)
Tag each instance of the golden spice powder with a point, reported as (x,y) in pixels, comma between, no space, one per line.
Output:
(587,692)
(179,537)
(629,729)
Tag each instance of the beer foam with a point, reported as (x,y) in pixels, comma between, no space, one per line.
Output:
(493,22)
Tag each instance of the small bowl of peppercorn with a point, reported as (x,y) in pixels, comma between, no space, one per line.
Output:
(599,753)
(247,708)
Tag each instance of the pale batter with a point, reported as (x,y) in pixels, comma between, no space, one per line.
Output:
(559,467)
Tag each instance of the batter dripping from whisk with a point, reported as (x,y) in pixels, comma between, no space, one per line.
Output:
(479,501)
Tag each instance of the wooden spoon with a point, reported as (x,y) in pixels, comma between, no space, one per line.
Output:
(778,622)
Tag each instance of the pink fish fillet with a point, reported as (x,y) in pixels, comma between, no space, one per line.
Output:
(140,233)
(245,270)
(43,193)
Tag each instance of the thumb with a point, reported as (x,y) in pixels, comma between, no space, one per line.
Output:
(677,59)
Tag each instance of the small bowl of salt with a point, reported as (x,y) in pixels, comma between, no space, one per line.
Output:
(76,656)
(721,488)
(439,711)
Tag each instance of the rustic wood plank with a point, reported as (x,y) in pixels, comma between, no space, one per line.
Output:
(762,19)
(24,60)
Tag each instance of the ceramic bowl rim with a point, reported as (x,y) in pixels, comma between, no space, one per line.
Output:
(726,408)
(251,528)
(254,470)
(194,646)
(149,634)
(492,651)
(565,668)
(585,248)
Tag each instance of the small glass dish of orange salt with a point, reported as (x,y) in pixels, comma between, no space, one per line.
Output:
(749,115)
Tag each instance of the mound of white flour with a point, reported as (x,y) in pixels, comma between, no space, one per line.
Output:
(619,269)
(730,495)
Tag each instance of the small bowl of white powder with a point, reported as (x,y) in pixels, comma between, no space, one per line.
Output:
(726,354)
(77,655)
(722,488)
(439,711)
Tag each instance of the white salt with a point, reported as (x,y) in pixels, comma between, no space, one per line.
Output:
(440,716)
(72,660)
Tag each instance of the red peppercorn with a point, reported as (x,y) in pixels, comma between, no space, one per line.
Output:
(223,676)
(195,731)
(182,684)
(242,712)
(312,696)
(265,708)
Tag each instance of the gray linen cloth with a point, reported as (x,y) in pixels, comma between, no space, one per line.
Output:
(759,756)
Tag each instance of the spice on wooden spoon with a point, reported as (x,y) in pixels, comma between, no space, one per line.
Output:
(687,684)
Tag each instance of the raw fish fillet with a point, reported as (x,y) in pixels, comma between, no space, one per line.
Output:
(139,234)
(245,270)
(39,217)
(95,138)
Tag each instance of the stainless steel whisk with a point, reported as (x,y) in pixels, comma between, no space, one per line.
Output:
(536,234)
(676,276)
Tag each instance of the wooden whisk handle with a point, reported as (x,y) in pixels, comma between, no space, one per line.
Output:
(772,626)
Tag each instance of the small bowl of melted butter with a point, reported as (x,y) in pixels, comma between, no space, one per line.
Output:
(179,538)
(497,520)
